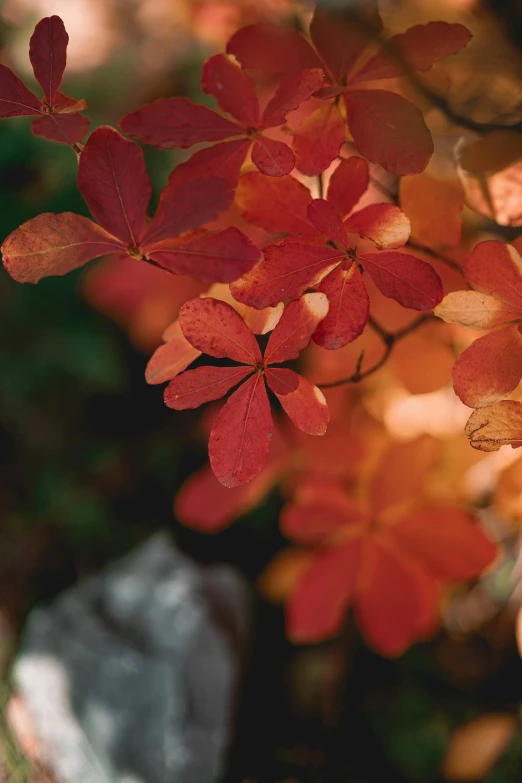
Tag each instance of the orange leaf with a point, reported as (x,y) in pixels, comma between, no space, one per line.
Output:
(490,368)
(434,205)
(446,540)
(402,472)
(494,426)
(475,310)
(54,245)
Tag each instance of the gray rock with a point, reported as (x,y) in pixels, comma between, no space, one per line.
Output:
(131,676)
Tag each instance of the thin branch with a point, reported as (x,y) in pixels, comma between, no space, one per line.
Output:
(389,339)
(442,257)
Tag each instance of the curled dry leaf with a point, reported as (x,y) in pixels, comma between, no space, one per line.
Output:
(497,425)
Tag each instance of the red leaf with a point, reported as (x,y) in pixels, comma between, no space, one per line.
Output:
(497,425)
(384,224)
(293,89)
(317,607)
(240,438)
(338,41)
(222,160)
(389,130)
(15,98)
(113,181)
(188,206)
(348,311)
(214,327)
(318,139)
(389,600)
(348,183)
(48,55)
(170,359)
(295,328)
(327,221)
(272,47)
(313,521)
(177,122)
(490,368)
(209,256)
(286,271)
(276,204)
(410,281)
(302,401)
(204,504)
(447,541)
(421,46)
(273,158)
(54,245)
(495,268)
(195,387)
(232,88)
(63,128)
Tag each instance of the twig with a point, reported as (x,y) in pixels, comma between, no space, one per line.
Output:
(389,339)
(444,259)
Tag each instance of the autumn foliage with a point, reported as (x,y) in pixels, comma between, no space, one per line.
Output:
(302,249)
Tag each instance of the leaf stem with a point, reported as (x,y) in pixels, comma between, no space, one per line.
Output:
(389,339)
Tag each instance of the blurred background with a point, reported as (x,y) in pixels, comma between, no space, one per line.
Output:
(91,459)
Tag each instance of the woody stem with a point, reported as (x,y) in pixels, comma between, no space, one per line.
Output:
(389,339)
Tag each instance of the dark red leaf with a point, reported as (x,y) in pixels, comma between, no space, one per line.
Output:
(113,181)
(187,206)
(272,47)
(348,311)
(318,139)
(214,327)
(15,98)
(223,160)
(293,89)
(410,281)
(48,55)
(233,89)
(421,46)
(240,438)
(348,183)
(295,328)
(338,41)
(209,256)
(327,221)
(389,130)
(273,158)
(196,387)
(286,271)
(63,128)
(303,402)
(177,122)
(54,245)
